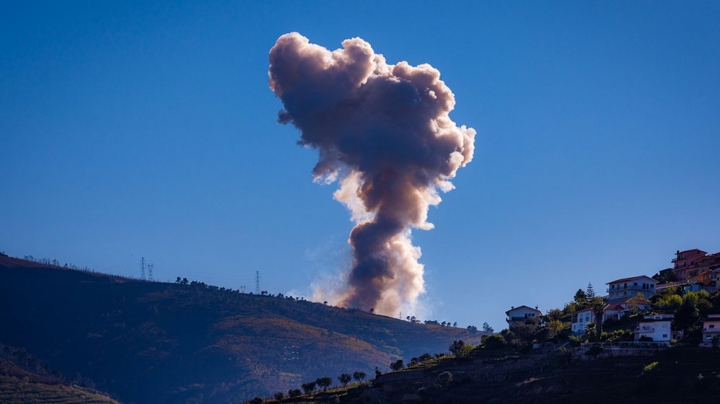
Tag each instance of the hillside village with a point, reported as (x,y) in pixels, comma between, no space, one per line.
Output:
(640,317)
(676,304)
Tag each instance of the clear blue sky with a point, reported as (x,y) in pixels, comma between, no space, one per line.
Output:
(132,129)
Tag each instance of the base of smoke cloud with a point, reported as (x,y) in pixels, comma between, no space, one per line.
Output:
(332,288)
(332,264)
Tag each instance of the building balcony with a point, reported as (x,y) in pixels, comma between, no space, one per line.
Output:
(644,329)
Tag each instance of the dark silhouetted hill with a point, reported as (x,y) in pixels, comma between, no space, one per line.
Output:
(678,375)
(151,342)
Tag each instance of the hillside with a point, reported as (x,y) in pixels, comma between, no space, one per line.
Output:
(158,342)
(32,383)
(680,375)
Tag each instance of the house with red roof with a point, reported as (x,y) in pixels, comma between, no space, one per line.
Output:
(622,289)
(692,263)
(616,311)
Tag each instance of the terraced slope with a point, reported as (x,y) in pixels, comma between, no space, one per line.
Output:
(19,386)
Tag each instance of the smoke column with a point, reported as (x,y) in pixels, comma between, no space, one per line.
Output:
(383,130)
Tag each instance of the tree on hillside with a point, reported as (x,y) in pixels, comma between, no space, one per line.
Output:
(309,387)
(590,292)
(555,327)
(344,379)
(292,393)
(665,276)
(669,303)
(580,298)
(687,314)
(598,306)
(279,395)
(591,332)
(397,365)
(324,382)
(359,376)
(487,329)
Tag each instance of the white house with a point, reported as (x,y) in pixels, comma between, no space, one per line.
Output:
(625,288)
(711,329)
(655,327)
(581,319)
(518,315)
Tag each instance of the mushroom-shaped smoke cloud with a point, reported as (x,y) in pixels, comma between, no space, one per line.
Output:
(384,131)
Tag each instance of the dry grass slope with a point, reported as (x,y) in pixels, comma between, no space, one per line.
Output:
(18,386)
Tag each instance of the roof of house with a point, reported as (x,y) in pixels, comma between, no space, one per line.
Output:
(630,279)
(668,285)
(654,320)
(520,307)
(632,300)
(584,310)
(635,300)
(694,249)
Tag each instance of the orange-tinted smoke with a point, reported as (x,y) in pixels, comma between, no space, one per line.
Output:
(384,131)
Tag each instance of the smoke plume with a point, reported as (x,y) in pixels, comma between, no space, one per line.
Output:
(383,130)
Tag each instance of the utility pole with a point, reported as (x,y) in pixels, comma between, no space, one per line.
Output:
(257,282)
(150,274)
(142,268)
(242,289)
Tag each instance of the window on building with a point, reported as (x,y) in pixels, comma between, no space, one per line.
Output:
(711,326)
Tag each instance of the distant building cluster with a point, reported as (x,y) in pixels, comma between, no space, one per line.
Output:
(693,270)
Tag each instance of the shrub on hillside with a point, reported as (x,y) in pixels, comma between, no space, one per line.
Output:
(594,351)
(443,379)
(460,348)
(495,341)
